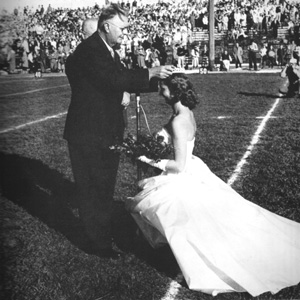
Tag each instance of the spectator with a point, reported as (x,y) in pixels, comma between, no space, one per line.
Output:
(205,56)
(160,21)
(296,31)
(141,56)
(265,22)
(53,60)
(225,61)
(297,52)
(263,55)
(241,35)
(271,56)
(181,53)
(195,56)
(225,21)
(89,26)
(36,65)
(238,55)
(11,58)
(281,53)
(154,57)
(292,72)
(252,50)
(274,26)
(291,49)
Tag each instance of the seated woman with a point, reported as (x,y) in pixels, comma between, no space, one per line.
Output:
(225,61)
(222,242)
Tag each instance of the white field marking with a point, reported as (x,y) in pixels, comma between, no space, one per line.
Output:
(254,141)
(271,117)
(33,91)
(19,80)
(172,291)
(33,122)
(229,117)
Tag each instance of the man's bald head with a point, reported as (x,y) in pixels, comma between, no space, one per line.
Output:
(89,26)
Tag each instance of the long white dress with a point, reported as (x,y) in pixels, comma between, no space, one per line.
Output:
(222,242)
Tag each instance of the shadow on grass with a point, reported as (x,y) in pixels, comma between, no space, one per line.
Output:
(259,95)
(43,192)
(50,197)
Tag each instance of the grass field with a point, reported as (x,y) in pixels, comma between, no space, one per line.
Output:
(246,134)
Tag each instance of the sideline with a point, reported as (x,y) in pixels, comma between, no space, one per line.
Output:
(33,122)
(33,91)
(254,141)
(20,80)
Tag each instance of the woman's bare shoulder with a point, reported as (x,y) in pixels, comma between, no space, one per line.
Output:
(183,126)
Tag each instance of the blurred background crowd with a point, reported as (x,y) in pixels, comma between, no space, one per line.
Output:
(160,33)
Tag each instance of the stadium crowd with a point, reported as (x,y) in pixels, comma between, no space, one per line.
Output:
(160,33)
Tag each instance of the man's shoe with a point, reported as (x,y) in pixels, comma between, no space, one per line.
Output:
(103,253)
(290,95)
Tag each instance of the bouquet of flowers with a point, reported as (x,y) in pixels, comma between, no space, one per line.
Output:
(152,146)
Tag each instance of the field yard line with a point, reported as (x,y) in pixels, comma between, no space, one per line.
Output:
(33,91)
(33,122)
(20,80)
(254,141)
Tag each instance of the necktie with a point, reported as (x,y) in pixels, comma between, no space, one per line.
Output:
(112,52)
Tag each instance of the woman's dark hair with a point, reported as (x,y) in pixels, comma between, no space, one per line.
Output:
(182,90)
(110,11)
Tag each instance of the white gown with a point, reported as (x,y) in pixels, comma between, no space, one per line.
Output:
(222,242)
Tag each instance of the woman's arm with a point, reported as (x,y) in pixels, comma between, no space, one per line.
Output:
(180,134)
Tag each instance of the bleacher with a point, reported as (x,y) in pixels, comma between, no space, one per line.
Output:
(203,35)
(222,41)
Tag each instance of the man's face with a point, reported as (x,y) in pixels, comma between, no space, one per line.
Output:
(116,29)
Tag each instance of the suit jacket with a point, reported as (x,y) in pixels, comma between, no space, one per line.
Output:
(95,114)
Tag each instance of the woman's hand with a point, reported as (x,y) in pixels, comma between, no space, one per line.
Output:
(144,159)
(162,164)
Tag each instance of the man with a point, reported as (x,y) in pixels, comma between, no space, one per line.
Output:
(181,52)
(263,55)
(292,72)
(95,121)
(195,56)
(253,49)
(154,57)
(281,53)
(89,26)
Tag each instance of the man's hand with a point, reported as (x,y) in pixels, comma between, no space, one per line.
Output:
(161,72)
(126,99)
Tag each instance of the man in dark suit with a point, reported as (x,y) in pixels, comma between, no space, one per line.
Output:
(95,121)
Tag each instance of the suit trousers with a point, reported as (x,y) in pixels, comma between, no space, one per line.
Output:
(95,171)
